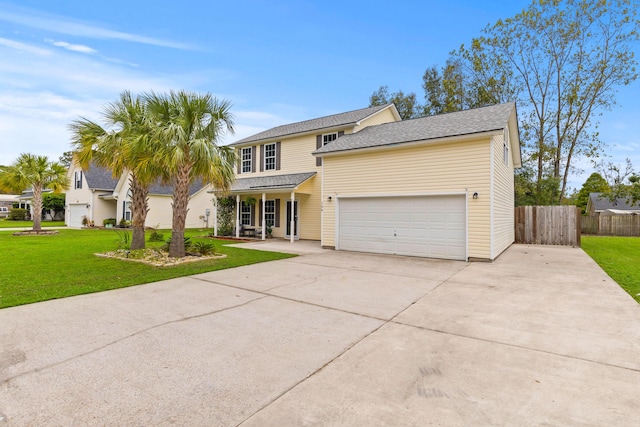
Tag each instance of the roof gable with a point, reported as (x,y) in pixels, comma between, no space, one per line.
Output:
(466,122)
(327,122)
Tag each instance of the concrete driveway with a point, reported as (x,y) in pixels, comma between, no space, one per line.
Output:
(542,336)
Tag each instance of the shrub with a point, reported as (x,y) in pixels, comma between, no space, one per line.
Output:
(226,206)
(17,214)
(125,239)
(204,248)
(156,237)
(109,221)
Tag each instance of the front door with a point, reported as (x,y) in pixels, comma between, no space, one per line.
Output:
(293,212)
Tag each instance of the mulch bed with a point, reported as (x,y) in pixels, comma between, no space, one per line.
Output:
(35,233)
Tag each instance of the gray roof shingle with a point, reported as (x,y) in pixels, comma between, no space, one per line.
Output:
(99,178)
(602,202)
(350,117)
(167,189)
(465,122)
(287,181)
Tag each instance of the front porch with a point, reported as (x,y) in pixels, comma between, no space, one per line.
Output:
(268,206)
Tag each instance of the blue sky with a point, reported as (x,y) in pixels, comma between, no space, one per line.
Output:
(277,63)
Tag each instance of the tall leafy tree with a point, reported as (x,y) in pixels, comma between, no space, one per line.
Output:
(123,145)
(569,57)
(594,184)
(407,105)
(188,127)
(38,173)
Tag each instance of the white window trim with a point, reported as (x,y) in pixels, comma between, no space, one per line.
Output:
(274,157)
(267,213)
(335,134)
(505,146)
(244,150)
(244,206)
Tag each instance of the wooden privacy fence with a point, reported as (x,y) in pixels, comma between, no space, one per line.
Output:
(548,225)
(612,225)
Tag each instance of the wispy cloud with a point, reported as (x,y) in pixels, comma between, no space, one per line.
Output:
(62,25)
(24,47)
(72,47)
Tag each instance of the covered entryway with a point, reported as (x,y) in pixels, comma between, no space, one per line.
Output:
(425,226)
(76,213)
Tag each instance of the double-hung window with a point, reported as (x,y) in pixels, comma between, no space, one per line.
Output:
(246,159)
(270,212)
(245,213)
(270,157)
(77,179)
(328,137)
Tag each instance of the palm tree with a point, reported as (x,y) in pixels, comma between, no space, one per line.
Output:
(187,129)
(123,147)
(39,173)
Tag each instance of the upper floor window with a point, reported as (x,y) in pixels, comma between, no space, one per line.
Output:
(246,159)
(77,179)
(328,137)
(270,156)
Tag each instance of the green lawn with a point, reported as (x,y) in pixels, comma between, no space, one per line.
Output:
(5,223)
(619,257)
(39,268)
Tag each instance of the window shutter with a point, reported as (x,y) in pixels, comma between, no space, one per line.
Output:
(318,145)
(260,213)
(277,224)
(261,157)
(253,158)
(278,155)
(239,159)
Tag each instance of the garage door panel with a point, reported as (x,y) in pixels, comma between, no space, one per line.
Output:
(429,226)
(76,213)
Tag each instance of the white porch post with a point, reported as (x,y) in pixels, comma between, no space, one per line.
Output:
(215,216)
(292,225)
(238,216)
(264,224)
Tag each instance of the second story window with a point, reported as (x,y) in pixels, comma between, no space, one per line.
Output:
(246,160)
(270,157)
(77,179)
(328,137)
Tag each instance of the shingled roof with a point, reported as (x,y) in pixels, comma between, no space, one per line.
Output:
(484,119)
(335,120)
(280,182)
(99,178)
(602,202)
(162,189)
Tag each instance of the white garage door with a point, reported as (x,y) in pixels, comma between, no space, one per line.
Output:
(426,226)
(76,212)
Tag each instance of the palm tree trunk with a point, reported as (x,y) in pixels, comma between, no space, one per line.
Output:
(180,209)
(37,207)
(139,210)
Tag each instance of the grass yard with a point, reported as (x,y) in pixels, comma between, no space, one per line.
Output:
(619,257)
(5,223)
(40,268)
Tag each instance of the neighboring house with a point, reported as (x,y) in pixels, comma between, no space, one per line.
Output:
(600,204)
(440,186)
(94,194)
(90,195)
(276,167)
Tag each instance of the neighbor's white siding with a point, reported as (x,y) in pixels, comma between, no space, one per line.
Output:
(452,167)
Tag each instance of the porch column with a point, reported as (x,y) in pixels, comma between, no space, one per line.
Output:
(264,224)
(215,216)
(238,216)
(292,225)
